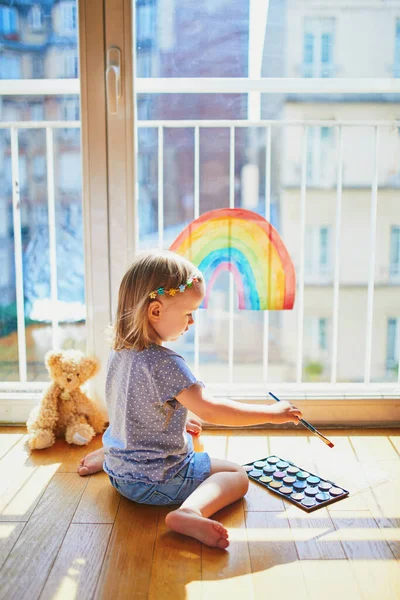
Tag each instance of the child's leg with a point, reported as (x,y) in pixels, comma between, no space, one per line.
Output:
(227,482)
(92,462)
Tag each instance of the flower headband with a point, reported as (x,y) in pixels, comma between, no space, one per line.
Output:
(173,291)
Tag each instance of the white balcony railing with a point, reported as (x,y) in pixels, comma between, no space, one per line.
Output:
(231,126)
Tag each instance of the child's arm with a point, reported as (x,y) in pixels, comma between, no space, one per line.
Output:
(236,414)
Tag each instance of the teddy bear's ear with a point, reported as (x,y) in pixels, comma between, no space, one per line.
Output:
(91,365)
(52,359)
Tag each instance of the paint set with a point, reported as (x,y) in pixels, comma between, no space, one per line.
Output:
(306,490)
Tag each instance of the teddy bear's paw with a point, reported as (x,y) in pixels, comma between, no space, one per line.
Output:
(80,435)
(42,438)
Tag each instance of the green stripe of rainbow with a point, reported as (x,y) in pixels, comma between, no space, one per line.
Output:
(245,243)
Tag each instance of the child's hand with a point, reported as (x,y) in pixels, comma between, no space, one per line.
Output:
(193,426)
(282,412)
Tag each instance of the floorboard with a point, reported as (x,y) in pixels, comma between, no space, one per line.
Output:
(70,537)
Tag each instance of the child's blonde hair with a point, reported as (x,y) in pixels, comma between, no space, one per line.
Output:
(149,271)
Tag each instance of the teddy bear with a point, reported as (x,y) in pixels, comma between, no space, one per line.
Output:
(64,409)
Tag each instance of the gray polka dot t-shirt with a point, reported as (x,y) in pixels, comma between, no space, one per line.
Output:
(146,439)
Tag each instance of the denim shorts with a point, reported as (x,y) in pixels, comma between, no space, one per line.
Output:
(173,491)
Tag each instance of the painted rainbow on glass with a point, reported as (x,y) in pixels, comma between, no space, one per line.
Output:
(244,243)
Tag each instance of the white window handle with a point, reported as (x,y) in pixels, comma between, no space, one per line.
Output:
(113,79)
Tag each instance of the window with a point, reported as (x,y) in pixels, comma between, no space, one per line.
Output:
(322,334)
(73,216)
(39,167)
(394,268)
(37,112)
(37,67)
(396,67)
(4,267)
(318,47)
(69,65)
(146,23)
(70,110)
(10,66)
(3,220)
(320,156)
(317,252)
(68,18)
(70,172)
(392,350)
(35,17)
(316,332)
(143,63)
(40,217)
(8,21)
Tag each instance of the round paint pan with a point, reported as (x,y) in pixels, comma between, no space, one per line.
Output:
(282,464)
(255,473)
(297,496)
(265,479)
(286,489)
(279,475)
(303,475)
(248,468)
(269,470)
(272,460)
(308,502)
(289,480)
(335,491)
(299,485)
(324,486)
(322,497)
(259,464)
(311,491)
(292,470)
(275,484)
(313,480)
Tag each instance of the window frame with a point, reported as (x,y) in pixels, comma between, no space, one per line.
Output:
(109,177)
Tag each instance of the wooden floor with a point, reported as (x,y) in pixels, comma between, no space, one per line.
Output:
(67,537)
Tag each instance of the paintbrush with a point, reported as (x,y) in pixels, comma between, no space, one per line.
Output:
(308,426)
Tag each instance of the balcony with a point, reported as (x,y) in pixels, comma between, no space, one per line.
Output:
(237,351)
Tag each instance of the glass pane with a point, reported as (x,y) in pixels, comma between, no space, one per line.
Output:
(39,41)
(293,39)
(279,39)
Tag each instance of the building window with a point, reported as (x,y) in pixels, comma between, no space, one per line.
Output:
(69,178)
(146,23)
(37,112)
(69,65)
(71,110)
(143,63)
(396,66)
(8,21)
(35,18)
(393,342)
(320,160)
(318,44)
(37,67)
(10,66)
(317,252)
(3,219)
(394,268)
(68,18)
(322,334)
(39,167)
(316,332)
(4,267)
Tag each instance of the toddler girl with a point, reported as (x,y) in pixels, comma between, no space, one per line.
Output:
(148,456)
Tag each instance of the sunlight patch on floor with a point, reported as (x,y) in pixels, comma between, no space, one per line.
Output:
(7,529)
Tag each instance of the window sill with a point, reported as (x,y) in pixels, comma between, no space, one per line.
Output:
(373,407)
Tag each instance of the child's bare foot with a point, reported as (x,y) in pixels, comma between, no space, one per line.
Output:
(92,463)
(190,522)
